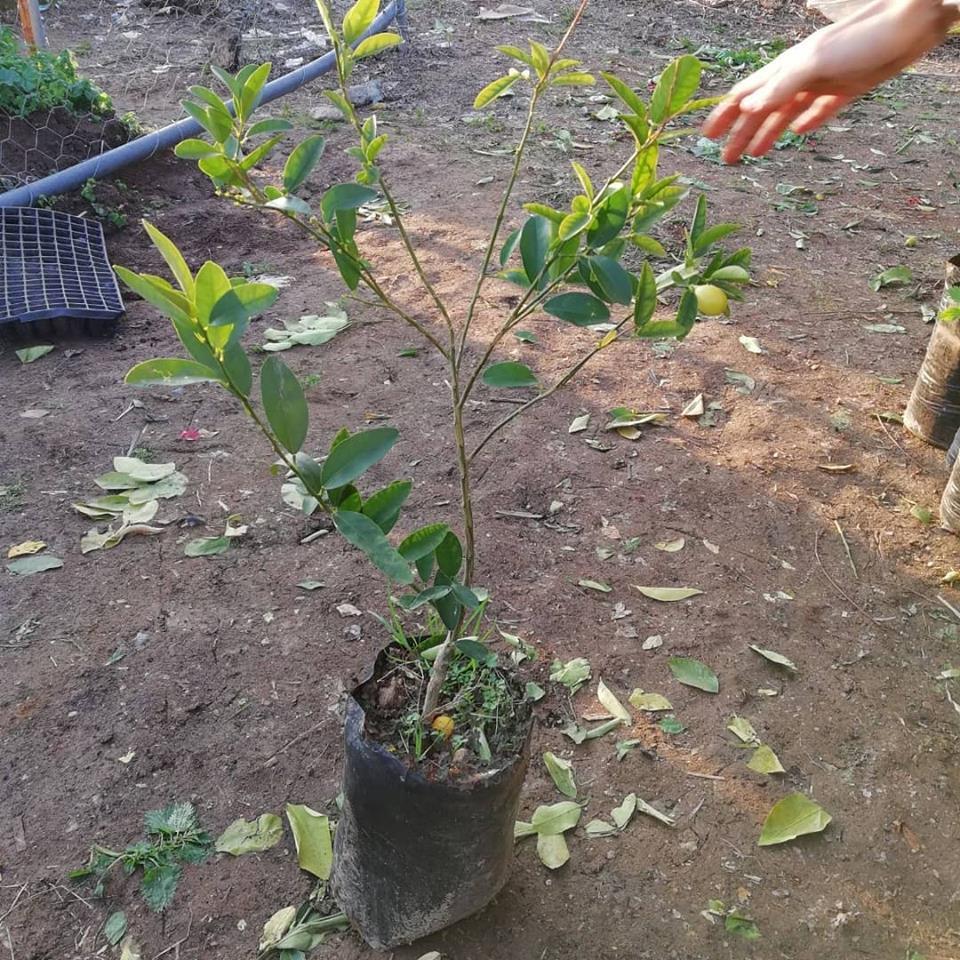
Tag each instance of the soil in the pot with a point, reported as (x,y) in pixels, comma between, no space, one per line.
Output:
(482,718)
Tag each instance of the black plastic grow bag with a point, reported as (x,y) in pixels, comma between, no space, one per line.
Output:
(413,856)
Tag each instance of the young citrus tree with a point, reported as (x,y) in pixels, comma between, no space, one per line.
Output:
(589,264)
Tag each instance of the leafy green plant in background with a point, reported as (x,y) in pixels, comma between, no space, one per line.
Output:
(40,80)
(588,265)
(173,837)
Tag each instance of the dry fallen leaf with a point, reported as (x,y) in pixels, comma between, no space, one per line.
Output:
(694,408)
(835,467)
(671,546)
(26,548)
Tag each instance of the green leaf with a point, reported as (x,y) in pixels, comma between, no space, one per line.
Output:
(517,54)
(173,257)
(345,196)
(240,304)
(237,365)
(535,239)
(509,374)
(561,772)
(649,702)
(136,469)
(364,534)
(422,542)
(573,674)
(774,657)
(742,926)
(356,454)
(580,309)
(646,302)
(169,372)
(194,149)
(891,277)
(611,704)
(383,507)
(358,19)
(552,850)
(743,730)
(676,86)
(475,650)
(611,215)
(575,79)
(115,927)
(671,725)
(493,90)
(311,836)
(159,884)
(155,294)
(303,158)
(450,555)
(269,125)
(250,836)
(623,814)
(29,354)
(694,674)
(533,691)
(574,224)
(413,601)
(614,281)
(764,760)
(252,88)
(206,546)
(377,44)
(506,251)
(556,818)
(793,816)
(284,403)
(626,94)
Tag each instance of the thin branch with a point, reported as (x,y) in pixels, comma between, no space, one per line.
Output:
(438,673)
(846,546)
(562,382)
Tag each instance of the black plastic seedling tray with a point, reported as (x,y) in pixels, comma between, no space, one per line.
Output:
(55,278)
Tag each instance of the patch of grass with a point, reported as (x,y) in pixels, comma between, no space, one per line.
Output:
(42,81)
(144,453)
(733,62)
(12,496)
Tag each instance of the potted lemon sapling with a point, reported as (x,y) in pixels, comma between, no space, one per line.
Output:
(437,735)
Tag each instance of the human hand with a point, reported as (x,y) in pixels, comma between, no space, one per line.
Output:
(809,83)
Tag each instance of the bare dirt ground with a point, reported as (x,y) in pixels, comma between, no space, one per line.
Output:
(228,664)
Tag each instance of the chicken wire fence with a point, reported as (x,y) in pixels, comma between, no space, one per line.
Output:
(143,54)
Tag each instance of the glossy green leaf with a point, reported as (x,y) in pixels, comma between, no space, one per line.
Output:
(377,44)
(611,216)
(345,196)
(626,94)
(614,281)
(364,534)
(646,299)
(252,89)
(269,125)
(355,454)
(693,673)
(194,149)
(422,542)
(413,601)
(677,84)
(311,837)
(240,304)
(495,89)
(476,650)
(176,308)
(535,239)
(173,257)
(284,403)
(580,309)
(358,19)
(509,374)
(169,372)
(383,507)
(793,816)
(574,224)
(450,554)
(303,158)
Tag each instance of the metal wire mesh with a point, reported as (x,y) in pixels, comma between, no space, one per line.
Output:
(145,54)
(53,265)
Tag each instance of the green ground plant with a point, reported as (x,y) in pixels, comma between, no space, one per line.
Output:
(40,80)
(588,265)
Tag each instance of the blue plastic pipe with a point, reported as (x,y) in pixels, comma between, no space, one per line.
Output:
(146,146)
